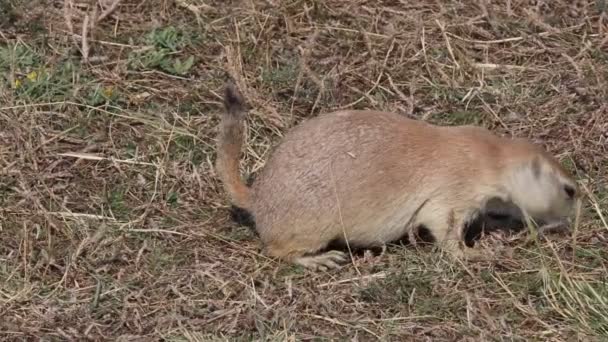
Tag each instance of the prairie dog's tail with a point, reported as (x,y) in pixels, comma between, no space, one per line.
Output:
(229,146)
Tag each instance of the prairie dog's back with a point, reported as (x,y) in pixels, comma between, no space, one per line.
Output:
(353,143)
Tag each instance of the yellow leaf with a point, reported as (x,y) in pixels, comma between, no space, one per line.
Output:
(108,91)
(32,76)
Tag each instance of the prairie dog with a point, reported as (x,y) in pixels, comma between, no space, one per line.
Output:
(367,178)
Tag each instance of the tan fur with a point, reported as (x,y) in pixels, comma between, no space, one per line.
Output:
(364,174)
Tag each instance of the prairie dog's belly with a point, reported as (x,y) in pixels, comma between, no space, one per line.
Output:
(385,223)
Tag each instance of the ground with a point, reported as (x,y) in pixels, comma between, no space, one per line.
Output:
(114,226)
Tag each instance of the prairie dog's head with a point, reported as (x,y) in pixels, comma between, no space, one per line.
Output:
(540,186)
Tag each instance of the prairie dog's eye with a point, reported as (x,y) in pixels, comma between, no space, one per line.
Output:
(570,191)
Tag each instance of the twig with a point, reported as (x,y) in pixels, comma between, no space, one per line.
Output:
(335,321)
(162,231)
(194,9)
(85,34)
(76,215)
(409,101)
(596,206)
(447,43)
(516,39)
(88,156)
(67,15)
(107,11)
(578,70)
(371,276)
(426,58)
(499,66)
(68,6)
(485,104)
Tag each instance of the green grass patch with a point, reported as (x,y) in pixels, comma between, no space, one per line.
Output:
(117,204)
(164,46)
(184,147)
(25,71)
(581,302)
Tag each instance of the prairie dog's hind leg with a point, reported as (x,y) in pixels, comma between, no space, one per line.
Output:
(457,249)
(306,254)
(323,261)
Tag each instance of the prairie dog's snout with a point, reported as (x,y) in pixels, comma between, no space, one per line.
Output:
(405,174)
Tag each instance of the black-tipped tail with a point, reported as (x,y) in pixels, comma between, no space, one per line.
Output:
(233,101)
(230,142)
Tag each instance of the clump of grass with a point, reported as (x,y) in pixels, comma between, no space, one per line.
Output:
(99,94)
(578,300)
(44,84)
(164,44)
(117,204)
(25,72)
(17,56)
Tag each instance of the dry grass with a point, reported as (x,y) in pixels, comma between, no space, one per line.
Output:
(113,225)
